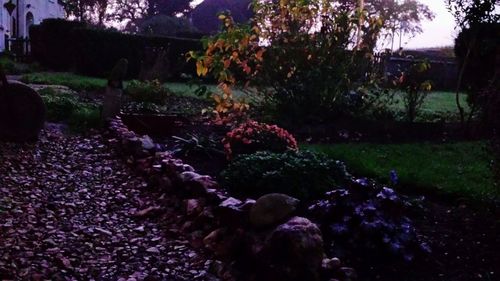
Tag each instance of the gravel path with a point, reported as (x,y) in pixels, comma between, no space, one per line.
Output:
(67,208)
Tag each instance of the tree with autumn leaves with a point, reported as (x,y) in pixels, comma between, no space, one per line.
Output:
(299,55)
(234,57)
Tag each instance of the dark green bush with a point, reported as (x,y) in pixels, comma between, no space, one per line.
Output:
(304,175)
(59,105)
(147,92)
(84,118)
(65,107)
(67,45)
(51,43)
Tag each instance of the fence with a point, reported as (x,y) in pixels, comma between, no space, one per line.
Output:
(19,48)
(443,72)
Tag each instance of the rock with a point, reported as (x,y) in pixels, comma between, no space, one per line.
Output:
(294,250)
(153,250)
(330,264)
(148,212)
(197,184)
(272,209)
(248,204)
(348,272)
(165,183)
(230,212)
(193,207)
(22,112)
(147,143)
(222,242)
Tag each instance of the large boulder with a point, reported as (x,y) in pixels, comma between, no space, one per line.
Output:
(272,209)
(22,112)
(293,251)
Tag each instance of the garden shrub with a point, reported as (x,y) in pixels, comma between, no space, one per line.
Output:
(366,222)
(252,136)
(304,175)
(15,68)
(477,51)
(85,117)
(65,107)
(67,45)
(147,92)
(59,105)
(415,88)
(308,74)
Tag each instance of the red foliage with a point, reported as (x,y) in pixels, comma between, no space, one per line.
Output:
(252,136)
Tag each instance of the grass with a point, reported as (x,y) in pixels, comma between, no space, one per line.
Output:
(436,103)
(72,81)
(456,169)
(84,83)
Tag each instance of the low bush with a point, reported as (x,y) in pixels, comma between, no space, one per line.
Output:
(84,118)
(65,107)
(367,223)
(15,68)
(304,175)
(252,136)
(59,105)
(147,92)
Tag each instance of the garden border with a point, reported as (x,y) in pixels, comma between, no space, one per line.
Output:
(221,223)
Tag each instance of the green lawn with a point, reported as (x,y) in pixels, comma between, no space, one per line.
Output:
(85,83)
(457,169)
(436,103)
(73,81)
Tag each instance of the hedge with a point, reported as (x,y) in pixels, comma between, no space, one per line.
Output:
(73,46)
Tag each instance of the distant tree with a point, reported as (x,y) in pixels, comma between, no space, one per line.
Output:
(166,26)
(134,12)
(475,47)
(130,12)
(471,12)
(90,11)
(168,7)
(204,16)
(394,16)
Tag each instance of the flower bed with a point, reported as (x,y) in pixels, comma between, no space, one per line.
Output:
(262,238)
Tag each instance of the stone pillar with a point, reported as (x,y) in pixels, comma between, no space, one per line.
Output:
(114,91)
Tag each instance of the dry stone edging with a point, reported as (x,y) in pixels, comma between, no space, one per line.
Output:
(285,247)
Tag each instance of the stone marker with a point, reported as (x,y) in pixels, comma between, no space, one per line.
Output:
(22,111)
(114,91)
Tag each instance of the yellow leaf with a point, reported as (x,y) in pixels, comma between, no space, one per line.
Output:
(201,70)
(222,17)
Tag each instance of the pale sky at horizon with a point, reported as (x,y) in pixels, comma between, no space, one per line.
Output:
(439,32)
(436,33)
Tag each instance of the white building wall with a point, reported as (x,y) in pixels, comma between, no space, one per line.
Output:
(40,9)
